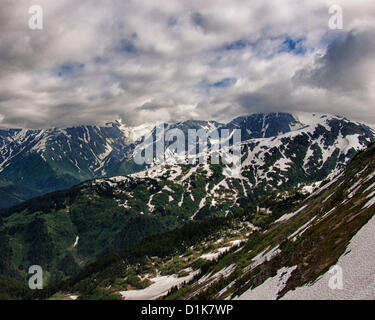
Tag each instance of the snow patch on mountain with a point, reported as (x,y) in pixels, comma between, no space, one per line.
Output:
(290,215)
(358,272)
(159,287)
(270,289)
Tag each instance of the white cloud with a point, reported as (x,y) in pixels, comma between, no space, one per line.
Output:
(146,60)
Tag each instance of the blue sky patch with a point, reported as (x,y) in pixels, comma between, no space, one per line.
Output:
(293,46)
(128,46)
(69,68)
(224,83)
(236,45)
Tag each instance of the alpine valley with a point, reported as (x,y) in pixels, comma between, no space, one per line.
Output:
(104,228)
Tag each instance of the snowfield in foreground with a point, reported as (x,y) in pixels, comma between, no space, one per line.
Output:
(358,275)
(358,272)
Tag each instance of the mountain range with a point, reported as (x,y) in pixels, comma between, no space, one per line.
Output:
(36,162)
(66,230)
(289,244)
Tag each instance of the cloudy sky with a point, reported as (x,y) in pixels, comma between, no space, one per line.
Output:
(174,60)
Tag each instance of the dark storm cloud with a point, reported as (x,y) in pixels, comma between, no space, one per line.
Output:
(345,64)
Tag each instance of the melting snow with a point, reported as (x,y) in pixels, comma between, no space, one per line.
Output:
(76,242)
(290,215)
(269,289)
(371,202)
(302,229)
(160,287)
(264,256)
(358,272)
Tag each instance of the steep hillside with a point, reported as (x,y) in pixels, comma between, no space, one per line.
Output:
(230,258)
(331,226)
(77,226)
(13,290)
(11,194)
